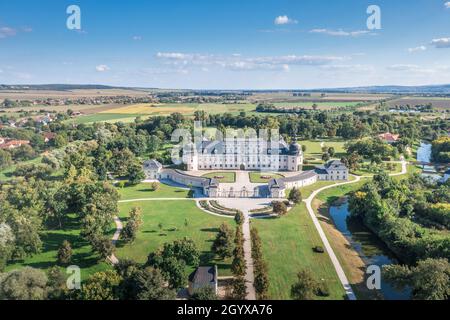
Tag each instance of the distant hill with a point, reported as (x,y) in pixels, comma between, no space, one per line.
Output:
(430,89)
(390,89)
(59,87)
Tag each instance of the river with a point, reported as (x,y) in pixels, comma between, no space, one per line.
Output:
(371,249)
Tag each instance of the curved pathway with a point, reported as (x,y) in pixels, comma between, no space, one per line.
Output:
(249,272)
(337,266)
(116,236)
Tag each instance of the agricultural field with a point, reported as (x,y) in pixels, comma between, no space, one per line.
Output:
(437,102)
(329,105)
(166,221)
(186,109)
(105,117)
(287,245)
(274,97)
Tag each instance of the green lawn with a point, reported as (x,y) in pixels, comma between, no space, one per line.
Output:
(228,177)
(5,174)
(105,117)
(256,177)
(52,239)
(364,171)
(314,149)
(202,228)
(143,190)
(288,247)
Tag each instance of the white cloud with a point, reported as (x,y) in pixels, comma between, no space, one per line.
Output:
(416,49)
(403,67)
(238,62)
(441,43)
(447,5)
(281,20)
(137,38)
(102,68)
(342,33)
(349,67)
(7,32)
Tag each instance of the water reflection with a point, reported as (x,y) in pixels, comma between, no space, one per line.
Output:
(371,249)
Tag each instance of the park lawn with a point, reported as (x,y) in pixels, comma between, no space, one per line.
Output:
(287,245)
(308,190)
(143,190)
(5,174)
(228,177)
(83,256)
(104,117)
(256,177)
(202,229)
(314,149)
(366,172)
(348,257)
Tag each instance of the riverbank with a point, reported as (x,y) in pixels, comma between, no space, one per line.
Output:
(355,246)
(351,261)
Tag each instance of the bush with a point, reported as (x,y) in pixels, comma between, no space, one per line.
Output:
(319,249)
(322,290)
(65,253)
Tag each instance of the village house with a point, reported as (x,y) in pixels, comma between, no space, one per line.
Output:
(389,137)
(13,144)
(49,136)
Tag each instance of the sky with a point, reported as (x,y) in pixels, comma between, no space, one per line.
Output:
(226,44)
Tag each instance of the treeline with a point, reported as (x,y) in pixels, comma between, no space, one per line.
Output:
(440,150)
(160,278)
(260,267)
(394,211)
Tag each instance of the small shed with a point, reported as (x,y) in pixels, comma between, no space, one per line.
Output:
(203,277)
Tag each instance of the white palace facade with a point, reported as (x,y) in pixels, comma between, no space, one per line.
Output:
(244,154)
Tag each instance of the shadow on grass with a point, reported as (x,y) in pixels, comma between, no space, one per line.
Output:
(211,230)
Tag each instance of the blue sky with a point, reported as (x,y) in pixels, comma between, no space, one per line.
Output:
(226,44)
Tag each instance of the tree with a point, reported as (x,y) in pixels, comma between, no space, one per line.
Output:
(239,288)
(23,284)
(279,208)
(155,186)
(103,246)
(223,244)
(101,286)
(239,218)
(5,159)
(135,173)
(133,224)
(204,294)
(145,284)
(7,242)
(305,287)
(172,260)
(331,151)
(326,157)
(65,253)
(429,280)
(56,286)
(295,196)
